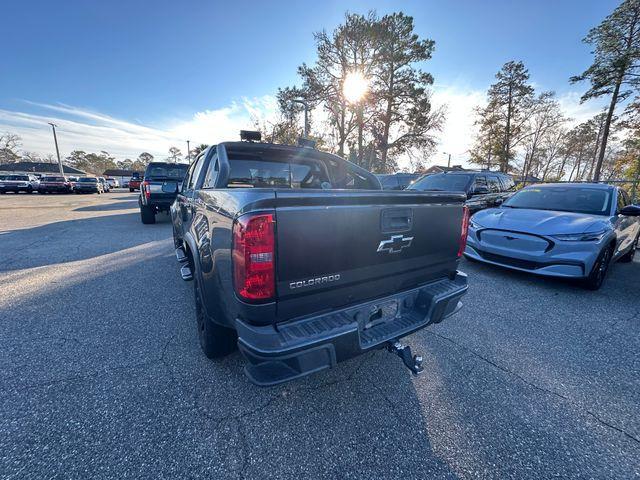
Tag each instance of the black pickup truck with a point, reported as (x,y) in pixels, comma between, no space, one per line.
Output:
(301,260)
(159,188)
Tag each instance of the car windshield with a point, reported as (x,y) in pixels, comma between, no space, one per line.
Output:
(593,201)
(442,181)
(176,171)
(22,178)
(88,180)
(53,179)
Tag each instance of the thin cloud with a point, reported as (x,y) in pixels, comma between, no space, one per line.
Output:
(82,129)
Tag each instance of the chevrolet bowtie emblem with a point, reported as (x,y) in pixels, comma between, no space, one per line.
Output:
(395,244)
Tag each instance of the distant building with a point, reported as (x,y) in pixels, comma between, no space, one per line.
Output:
(442,168)
(39,168)
(122,176)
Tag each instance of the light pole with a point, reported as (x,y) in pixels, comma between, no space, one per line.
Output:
(55,139)
(306,114)
(449,160)
(188,153)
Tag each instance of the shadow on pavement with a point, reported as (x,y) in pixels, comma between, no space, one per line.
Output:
(109,359)
(124,205)
(77,239)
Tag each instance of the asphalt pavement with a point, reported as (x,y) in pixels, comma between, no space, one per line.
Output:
(102,375)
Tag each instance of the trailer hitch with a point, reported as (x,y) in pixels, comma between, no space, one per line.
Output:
(412,362)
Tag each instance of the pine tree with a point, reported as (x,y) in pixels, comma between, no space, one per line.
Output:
(615,67)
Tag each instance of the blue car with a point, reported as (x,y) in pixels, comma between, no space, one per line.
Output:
(559,230)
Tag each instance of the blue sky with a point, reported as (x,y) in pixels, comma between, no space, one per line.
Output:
(136,75)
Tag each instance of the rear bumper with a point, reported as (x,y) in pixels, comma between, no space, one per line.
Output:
(301,347)
(55,188)
(16,188)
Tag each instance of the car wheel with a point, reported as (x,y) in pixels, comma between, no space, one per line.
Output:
(628,257)
(147,215)
(599,271)
(216,341)
(131,190)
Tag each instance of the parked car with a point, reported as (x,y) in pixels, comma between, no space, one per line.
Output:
(113,183)
(159,188)
(300,259)
(72,181)
(484,189)
(559,230)
(19,183)
(134,183)
(88,185)
(397,181)
(57,183)
(125,184)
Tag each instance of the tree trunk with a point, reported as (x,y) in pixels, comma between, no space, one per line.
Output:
(360,128)
(507,134)
(605,132)
(341,135)
(384,147)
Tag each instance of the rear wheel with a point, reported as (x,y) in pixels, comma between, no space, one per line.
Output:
(216,341)
(131,189)
(596,278)
(147,215)
(628,257)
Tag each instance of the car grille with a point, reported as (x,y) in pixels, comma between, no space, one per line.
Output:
(514,262)
(520,263)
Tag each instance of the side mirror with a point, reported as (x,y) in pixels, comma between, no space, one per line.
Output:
(631,211)
(499,201)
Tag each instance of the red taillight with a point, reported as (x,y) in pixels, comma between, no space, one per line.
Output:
(147,190)
(464,231)
(254,256)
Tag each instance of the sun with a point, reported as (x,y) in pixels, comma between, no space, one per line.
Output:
(355,87)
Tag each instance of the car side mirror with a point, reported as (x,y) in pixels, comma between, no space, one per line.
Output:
(499,201)
(480,190)
(631,211)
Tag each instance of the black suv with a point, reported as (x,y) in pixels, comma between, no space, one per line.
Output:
(484,189)
(159,188)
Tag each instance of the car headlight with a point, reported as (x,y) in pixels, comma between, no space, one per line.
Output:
(581,237)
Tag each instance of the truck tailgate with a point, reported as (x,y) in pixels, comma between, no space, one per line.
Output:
(335,248)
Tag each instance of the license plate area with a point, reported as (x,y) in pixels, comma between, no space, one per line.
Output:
(382,313)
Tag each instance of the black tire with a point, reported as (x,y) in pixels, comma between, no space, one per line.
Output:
(131,190)
(147,215)
(216,341)
(628,257)
(599,271)
(42,191)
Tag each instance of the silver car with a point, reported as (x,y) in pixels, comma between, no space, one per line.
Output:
(560,230)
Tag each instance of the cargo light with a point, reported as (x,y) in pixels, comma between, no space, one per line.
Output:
(464,231)
(253,257)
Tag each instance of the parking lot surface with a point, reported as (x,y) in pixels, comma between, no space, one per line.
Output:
(102,375)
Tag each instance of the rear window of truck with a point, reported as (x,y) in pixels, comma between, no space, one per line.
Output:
(252,171)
